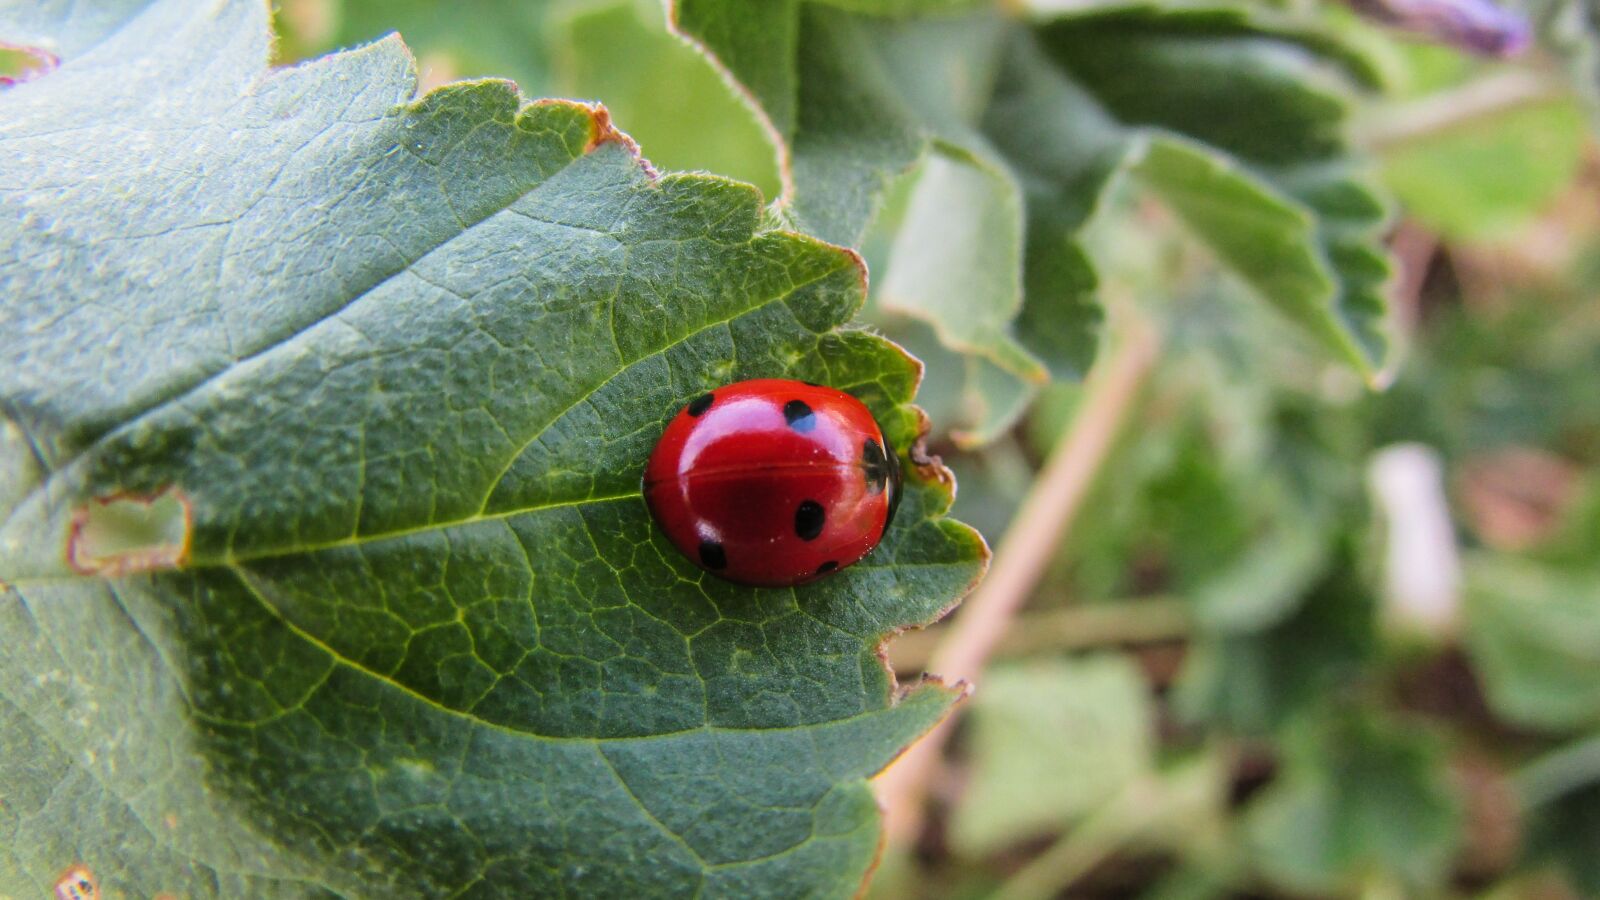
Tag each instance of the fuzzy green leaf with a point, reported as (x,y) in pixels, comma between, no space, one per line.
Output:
(390,368)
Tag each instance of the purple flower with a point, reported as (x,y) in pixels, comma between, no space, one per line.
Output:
(1477,26)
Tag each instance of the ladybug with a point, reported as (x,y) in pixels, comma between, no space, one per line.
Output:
(773,482)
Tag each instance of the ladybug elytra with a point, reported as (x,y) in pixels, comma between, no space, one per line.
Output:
(773,482)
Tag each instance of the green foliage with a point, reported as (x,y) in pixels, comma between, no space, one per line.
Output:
(622,54)
(1052,742)
(614,51)
(1359,803)
(391,366)
(1487,181)
(1256,681)
(475,38)
(1227,117)
(1535,638)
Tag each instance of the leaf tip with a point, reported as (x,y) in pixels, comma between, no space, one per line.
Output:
(123,533)
(929,466)
(603,131)
(860,262)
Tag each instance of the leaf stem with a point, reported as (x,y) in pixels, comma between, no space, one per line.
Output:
(1560,771)
(1026,550)
(1141,620)
(1087,844)
(1401,123)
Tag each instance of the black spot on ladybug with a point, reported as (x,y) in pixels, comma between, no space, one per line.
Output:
(799,416)
(809,519)
(712,555)
(875,465)
(827,567)
(700,404)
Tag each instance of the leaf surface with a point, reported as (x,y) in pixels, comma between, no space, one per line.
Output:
(391,367)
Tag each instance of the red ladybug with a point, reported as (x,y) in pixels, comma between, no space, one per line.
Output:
(773,482)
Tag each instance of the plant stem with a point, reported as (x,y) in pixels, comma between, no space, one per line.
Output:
(1560,771)
(1487,96)
(1086,845)
(1028,545)
(1134,621)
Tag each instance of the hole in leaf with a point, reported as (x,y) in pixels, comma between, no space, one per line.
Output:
(18,63)
(126,533)
(77,883)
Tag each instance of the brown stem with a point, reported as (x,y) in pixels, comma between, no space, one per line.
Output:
(1028,545)
(1442,111)
(1144,620)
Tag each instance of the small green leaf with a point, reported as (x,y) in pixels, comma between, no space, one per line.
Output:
(398,363)
(1269,579)
(466,39)
(1272,242)
(1051,741)
(953,262)
(1535,640)
(1356,799)
(621,52)
(1255,682)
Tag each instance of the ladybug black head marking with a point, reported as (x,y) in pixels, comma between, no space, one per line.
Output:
(700,404)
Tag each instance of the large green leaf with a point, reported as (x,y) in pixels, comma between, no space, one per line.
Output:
(391,367)
(1233,122)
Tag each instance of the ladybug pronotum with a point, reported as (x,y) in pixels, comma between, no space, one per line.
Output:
(773,482)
